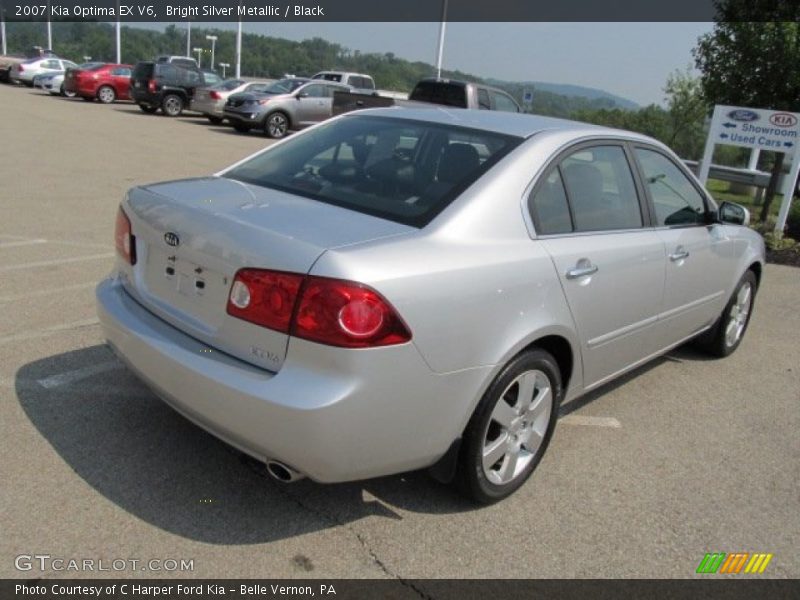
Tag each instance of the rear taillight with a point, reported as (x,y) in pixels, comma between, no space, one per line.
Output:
(214,95)
(124,240)
(151,85)
(320,309)
(266,298)
(20,68)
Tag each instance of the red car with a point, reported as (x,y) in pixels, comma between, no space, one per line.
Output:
(104,81)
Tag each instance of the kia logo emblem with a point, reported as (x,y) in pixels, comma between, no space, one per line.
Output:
(172,239)
(783,120)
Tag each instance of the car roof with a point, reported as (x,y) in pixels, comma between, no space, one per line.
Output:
(517,124)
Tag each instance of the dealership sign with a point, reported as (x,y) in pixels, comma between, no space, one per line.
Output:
(763,129)
(760,129)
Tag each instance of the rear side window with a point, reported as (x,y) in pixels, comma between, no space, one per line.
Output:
(397,169)
(440,92)
(676,201)
(503,102)
(483,99)
(166,71)
(549,206)
(592,189)
(601,190)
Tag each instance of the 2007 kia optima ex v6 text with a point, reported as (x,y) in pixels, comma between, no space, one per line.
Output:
(404,288)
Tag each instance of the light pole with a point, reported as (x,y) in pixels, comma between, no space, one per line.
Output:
(440,49)
(199,59)
(188,38)
(213,40)
(239,45)
(224,66)
(49,29)
(3,29)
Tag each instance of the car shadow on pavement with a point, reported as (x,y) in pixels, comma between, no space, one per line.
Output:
(140,454)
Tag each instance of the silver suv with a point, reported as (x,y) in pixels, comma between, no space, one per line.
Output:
(287,104)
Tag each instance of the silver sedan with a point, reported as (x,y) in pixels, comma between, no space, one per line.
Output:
(400,289)
(211,100)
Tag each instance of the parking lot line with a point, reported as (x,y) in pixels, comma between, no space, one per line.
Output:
(47,292)
(30,335)
(590,421)
(74,375)
(18,243)
(58,261)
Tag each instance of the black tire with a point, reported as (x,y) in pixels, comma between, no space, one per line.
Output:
(483,428)
(276,125)
(63,91)
(241,127)
(172,105)
(214,120)
(148,109)
(728,332)
(106,94)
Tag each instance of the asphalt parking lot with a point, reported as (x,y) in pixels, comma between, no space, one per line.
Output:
(685,456)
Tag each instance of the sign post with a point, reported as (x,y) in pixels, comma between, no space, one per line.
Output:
(527,98)
(759,129)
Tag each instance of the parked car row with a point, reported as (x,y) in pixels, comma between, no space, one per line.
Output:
(173,84)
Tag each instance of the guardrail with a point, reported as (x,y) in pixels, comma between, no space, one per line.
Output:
(757,179)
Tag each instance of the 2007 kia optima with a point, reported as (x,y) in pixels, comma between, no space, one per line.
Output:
(397,289)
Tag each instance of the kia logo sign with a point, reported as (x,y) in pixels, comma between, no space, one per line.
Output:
(172,239)
(743,115)
(783,120)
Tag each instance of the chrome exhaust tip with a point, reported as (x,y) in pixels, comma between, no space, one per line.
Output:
(282,472)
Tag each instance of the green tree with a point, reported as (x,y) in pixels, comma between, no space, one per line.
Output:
(751,59)
(687,110)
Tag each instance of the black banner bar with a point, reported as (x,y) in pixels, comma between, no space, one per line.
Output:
(363,10)
(733,588)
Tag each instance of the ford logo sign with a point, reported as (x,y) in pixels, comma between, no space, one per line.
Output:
(172,239)
(743,115)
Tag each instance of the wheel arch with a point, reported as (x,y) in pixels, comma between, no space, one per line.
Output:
(567,359)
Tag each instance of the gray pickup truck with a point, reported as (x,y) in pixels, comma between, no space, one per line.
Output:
(447,92)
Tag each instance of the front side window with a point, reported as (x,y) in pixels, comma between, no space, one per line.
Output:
(676,201)
(601,190)
(397,169)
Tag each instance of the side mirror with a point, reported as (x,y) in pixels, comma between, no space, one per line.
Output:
(301,95)
(734,214)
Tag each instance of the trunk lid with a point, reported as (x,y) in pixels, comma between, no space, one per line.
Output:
(193,235)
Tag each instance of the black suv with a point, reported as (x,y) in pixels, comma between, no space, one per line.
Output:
(167,86)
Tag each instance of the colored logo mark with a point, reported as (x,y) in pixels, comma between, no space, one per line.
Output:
(736,563)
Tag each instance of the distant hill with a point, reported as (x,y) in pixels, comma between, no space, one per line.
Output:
(564,89)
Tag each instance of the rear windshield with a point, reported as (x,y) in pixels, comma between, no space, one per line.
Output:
(228,85)
(439,92)
(397,169)
(143,70)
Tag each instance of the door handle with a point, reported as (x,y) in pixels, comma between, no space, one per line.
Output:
(581,270)
(679,254)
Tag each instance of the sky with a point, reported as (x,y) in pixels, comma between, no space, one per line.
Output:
(632,60)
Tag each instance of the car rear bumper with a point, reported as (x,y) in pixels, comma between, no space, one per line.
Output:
(212,108)
(332,414)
